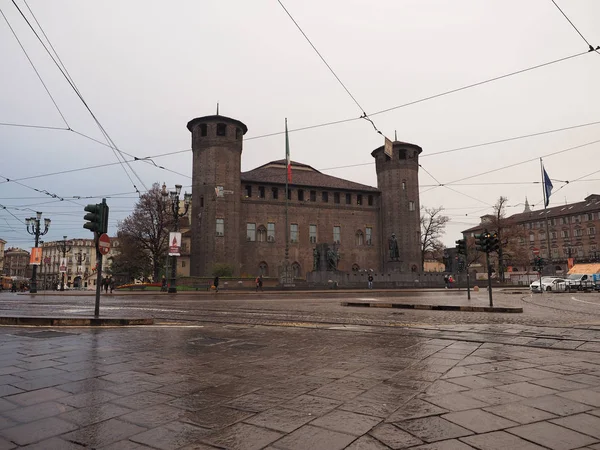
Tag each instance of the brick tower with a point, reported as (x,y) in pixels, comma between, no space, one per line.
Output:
(398,181)
(216,197)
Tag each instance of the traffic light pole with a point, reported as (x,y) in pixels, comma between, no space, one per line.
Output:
(489,277)
(98,276)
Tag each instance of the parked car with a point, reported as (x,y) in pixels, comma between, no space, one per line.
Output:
(579,282)
(549,284)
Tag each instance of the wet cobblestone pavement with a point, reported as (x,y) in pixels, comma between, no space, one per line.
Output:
(302,373)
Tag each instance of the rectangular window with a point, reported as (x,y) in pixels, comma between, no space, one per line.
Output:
(553,235)
(271,232)
(553,221)
(591,231)
(221,129)
(201,201)
(337,234)
(325,196)
(370,200)
(578,233)
(275,193)
(294,232)
(590,216)
(348,199)
(580,251)
(411,205)
(555,253)
(300,195)
(336,197)
(182,263)
(369,235)
(251,232)
(564,233)
(312,234)
(532,238)
(261,192)
(359,199)
(575,219)
(313,196)
(248,191)
(289,194)
(564,220)
(220,227)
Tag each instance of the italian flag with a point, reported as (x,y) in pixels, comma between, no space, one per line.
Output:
(287,154)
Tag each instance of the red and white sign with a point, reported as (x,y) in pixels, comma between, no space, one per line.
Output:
(174,243)
(63,265)
(535,251)
(104,244)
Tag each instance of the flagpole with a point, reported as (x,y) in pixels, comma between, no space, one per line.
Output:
(287,231)
(545,212)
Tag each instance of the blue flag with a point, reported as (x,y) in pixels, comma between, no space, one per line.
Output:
(547,188)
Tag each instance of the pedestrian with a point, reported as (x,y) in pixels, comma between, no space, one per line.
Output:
(216,283)
(163,286)
(105,284)
(450,281)
(256,283)
(112,284)
(370,280)
(446,281)
(260,282)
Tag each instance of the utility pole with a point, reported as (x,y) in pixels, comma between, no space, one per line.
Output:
(33,228)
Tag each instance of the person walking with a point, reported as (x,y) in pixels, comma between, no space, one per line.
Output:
(105,285)
(445,281)
(370,280)
(256,283)
(112,284)
(260,282)
(216,283)
(450,281)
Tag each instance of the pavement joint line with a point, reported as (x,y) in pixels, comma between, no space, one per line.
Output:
(498,309)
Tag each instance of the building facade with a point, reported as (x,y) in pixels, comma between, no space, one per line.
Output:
(80,257)
(2,244)
(239,218)
(16,263)
(572,232)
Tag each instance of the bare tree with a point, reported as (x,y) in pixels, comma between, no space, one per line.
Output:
(433,225)
(146,229)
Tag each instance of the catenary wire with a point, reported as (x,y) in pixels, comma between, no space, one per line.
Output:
(34,69)
(76,90)
(591,47)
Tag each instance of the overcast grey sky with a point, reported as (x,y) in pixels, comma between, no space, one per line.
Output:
(146,68)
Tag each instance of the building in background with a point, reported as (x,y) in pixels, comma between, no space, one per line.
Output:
(239,218)
(572,235)
(16,263)
(2,244)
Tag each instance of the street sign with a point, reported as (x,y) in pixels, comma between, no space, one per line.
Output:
(535,251)
(104,244)
(63,265)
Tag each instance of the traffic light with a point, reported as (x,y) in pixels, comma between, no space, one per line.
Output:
(461,266)
(494,242)
(538,263)
(481,242)
(97,217)
(461,247)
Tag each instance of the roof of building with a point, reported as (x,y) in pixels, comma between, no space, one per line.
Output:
(589,204)
(216,118)
(274,172)
(585,269)
(398,144)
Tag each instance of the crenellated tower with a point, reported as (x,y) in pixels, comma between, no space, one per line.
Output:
(398,180)
(216,200)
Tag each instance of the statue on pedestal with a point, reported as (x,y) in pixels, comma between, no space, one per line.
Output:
(332,259)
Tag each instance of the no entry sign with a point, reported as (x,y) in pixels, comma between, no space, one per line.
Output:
(104,244)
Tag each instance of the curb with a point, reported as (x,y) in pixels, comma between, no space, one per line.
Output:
(73,321)
(499,309)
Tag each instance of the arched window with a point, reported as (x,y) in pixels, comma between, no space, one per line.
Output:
(263,269)
(221,129)
(360,238)
(355,267)
(261,234)
(296,270)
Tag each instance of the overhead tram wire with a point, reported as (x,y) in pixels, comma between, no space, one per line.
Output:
(362,110)
(22,125)
(35,69)
(591,47)
(76,90)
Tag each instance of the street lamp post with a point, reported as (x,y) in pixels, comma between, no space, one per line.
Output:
(174,197)
(65,249)
(33,227)
(80,258)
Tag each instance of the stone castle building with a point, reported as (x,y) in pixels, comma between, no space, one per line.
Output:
(238,218)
